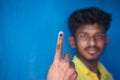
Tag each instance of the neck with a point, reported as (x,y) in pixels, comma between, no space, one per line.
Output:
(92,65)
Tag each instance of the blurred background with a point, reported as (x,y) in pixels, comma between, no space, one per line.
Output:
(28,35)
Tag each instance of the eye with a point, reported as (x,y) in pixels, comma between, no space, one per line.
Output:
(83,36)
(100,36)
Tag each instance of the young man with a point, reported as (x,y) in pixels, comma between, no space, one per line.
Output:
(88,27)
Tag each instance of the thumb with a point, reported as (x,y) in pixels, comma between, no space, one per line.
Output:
(67,57)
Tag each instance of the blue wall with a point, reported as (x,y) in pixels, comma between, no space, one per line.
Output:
(28,34)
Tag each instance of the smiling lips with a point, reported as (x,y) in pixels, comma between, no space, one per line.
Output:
(92,51)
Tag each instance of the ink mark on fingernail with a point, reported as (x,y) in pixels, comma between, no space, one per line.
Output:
(60,33)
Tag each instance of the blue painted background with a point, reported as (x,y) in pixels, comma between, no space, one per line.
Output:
(28,34)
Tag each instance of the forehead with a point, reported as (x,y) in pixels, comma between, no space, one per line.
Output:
(90,29)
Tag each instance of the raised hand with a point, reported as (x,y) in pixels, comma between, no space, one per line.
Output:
(61,68)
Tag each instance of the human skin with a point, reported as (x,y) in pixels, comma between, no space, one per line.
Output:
(89,41)
(61,68)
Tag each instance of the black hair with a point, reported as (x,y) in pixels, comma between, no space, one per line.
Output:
(89,16)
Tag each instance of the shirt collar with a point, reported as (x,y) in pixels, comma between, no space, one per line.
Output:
(82,67)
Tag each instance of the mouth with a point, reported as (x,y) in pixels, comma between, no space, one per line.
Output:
(92,51)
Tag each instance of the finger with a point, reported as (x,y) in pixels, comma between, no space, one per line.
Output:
(74,76)
(59,46)
(70,74)
(67,57)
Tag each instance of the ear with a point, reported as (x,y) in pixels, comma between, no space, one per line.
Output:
(106,40)
(72,41)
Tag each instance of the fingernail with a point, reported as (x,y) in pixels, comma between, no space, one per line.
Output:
(61,33)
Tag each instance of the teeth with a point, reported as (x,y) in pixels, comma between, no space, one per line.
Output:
(91,51)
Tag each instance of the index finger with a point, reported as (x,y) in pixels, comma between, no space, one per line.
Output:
(59,45)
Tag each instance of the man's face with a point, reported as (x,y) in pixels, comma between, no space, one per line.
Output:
(90,40)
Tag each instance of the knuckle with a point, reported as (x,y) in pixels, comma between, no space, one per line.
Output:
(56,62)
(72,70)
(76,74)
(67,64)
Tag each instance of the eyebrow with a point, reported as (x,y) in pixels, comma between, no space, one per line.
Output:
(86,32)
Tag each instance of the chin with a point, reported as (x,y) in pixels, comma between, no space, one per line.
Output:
(92,59)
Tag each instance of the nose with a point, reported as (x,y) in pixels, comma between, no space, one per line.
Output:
(92,41)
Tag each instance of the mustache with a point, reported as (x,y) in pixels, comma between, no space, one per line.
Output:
(95,47)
